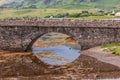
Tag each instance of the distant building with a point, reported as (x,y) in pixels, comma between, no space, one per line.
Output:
(51,16)
(117,14)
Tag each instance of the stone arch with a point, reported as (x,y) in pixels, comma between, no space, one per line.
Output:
(28,48)
(56,44)
(87,37)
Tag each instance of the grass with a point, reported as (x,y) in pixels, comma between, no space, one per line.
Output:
(19,12)
(114,47)
(75,4)
(13,13)
(99,17)
(95,17)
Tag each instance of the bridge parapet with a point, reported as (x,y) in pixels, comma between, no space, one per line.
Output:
(60,23)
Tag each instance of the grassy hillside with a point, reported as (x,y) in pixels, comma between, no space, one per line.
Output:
(19,13)
(75,4)
(67,4)
(42,8)
(12,13)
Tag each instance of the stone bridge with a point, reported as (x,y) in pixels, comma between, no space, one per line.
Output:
(20,34)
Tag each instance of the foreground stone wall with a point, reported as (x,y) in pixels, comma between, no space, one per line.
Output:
(21,37)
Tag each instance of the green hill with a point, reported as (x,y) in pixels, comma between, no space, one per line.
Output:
(67,4)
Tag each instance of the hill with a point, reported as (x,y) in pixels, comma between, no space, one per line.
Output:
(67,4)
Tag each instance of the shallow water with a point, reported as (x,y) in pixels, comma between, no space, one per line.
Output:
(56,49)
(66,54)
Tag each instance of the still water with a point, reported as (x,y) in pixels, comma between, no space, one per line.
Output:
(57,55)
(56,49)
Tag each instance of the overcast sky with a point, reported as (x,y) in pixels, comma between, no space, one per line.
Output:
(2,2)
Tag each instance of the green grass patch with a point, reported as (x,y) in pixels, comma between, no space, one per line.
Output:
(99,17)
(24,11)
(114,47)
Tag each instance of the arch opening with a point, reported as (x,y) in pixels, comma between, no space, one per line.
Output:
(56,49)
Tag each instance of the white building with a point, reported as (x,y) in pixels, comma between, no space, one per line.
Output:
(117,14)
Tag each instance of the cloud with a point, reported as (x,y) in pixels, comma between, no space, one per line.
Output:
(2,2)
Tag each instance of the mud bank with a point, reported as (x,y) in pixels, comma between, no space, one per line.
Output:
(25,66)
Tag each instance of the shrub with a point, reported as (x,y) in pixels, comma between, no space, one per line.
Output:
(85,13)
(101,12)
(75,15)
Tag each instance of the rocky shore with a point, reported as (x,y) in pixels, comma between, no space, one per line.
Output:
(25,66)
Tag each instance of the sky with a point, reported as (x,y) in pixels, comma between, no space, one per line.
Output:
(2,2)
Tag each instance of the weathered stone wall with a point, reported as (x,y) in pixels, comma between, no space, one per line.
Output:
(60,23)
(21,38)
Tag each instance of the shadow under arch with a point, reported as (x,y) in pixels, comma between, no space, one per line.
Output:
(29,47)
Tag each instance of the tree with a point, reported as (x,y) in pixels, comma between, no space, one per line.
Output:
(101,12)
(75,15)
(85,13)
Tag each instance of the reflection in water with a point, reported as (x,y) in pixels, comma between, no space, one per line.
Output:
(56,50)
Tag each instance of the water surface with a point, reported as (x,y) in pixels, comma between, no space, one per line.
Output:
(56,49)
(65,54)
